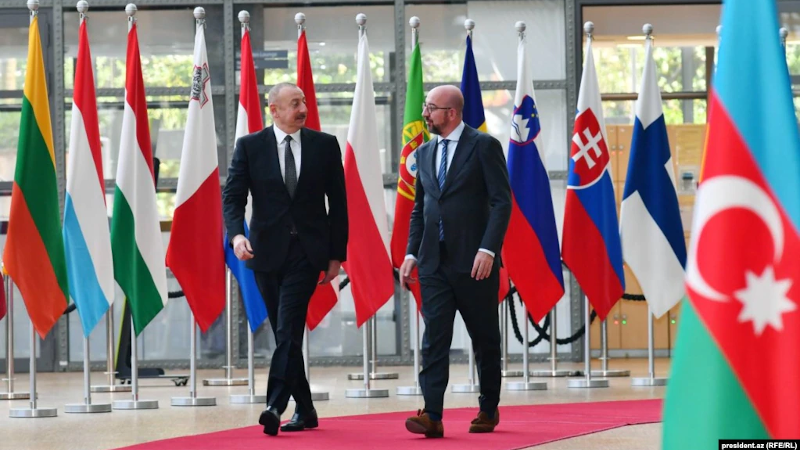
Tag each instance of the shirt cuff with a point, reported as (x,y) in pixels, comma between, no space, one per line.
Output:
(489,252)
(410,257)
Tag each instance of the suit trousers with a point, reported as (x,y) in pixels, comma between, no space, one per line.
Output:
(443,293)
(287,293)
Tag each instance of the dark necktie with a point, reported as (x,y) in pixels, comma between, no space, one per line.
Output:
(290,177)
(442,176)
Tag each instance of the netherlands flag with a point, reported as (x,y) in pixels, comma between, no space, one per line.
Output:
(531,251)
(650,218)
(591,244)
(87,240)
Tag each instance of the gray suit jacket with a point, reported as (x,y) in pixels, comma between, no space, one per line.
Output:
(474,205)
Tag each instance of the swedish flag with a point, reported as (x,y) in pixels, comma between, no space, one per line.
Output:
(471,89)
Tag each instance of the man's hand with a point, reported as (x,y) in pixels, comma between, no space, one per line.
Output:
(405,272)
(333,271)
(482,266)
(242,248)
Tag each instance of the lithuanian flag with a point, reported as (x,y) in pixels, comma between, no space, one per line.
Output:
(34,251)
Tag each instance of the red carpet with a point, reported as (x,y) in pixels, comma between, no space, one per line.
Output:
(520,427)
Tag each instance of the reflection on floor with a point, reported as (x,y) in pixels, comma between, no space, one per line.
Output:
(120,428)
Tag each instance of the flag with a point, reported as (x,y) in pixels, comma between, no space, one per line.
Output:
(591,244)
(369,265)
(531,251)
(650,218)
(194,254)
(248,121)
(471,90)
(415,133)
(325,295)
(735,372)
(34,251)
(135,230)
(87,240)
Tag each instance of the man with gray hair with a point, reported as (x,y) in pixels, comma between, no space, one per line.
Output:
(289,170)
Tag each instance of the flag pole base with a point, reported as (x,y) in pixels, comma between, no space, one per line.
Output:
(28,413)
(466,388)
(225,382)
(373,376)
(320,396)
(248,399)
(556,373)
(523,386)
(90,408)
(611,373)
(135,404)
(366,393)
(194,401)
(510,373)
(15,396)
(409,390)
(648,381)
(111,388)
(584,383)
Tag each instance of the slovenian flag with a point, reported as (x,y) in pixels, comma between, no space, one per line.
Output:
(650,218)
(87,239)
(591,245)
(530,251)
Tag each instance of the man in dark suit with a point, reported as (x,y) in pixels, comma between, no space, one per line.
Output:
(289,170)
(460,216)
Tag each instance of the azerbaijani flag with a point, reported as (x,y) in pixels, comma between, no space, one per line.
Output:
(34,251)
(736,369)
(136,243)
(530,251)
(87,240)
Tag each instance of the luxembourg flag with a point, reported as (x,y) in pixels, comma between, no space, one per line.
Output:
(531,251)
(591,244)
(87,240)
(650,219)
(368,264)
(194,254)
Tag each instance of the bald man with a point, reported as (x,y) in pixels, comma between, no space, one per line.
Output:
(460,216)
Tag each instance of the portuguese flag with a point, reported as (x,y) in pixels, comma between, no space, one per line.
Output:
(414,134)
(34,251)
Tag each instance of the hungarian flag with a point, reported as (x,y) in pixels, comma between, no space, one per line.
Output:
(415,133)
(591,244)
(735,373)
(87,240)
(326,295)
(135,230)
(248,120)
(369,265)
(530,250)
(34,251)
(650,218)
(194,254)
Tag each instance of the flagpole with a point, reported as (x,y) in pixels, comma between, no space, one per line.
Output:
(784,34)
(587,382)
(229,366)
(504,305)
(10,394)
(554,371)
(86,406)
(110,351)
(605,371)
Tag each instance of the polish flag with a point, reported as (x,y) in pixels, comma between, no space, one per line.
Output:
(369,265)
(194,254)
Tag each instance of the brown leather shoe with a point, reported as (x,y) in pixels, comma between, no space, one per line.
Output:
(483,424)
(422,424)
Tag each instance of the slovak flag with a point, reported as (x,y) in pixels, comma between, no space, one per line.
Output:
(650,218)
(531,252)
(591,244)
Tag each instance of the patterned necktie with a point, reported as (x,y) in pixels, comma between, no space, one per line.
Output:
(290,178)
(442,176)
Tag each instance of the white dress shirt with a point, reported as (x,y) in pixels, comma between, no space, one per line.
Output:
(453,138)
(280,135)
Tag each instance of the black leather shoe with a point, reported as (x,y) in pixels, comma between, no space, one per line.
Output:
(302,422)
(271,421)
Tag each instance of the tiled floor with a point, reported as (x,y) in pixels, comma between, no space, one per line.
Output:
(120,428)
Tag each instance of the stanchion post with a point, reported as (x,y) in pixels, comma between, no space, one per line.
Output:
(416,389)
(506,372)
(110,370)
(10,394)
(471,386)
(367,391)
(554,371)
(605,371)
